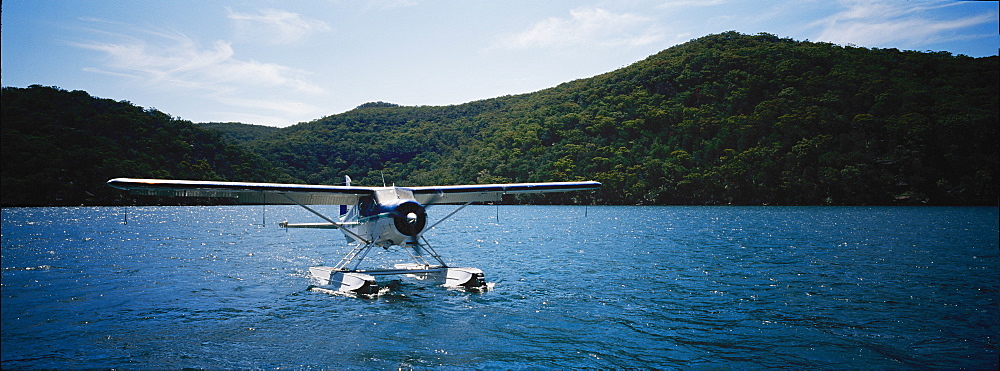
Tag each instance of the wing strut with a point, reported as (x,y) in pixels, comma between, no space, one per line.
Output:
(335,224)
(446,217)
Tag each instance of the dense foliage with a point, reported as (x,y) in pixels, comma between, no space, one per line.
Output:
(60,147)
(724,119)
(239,133)
(404,144)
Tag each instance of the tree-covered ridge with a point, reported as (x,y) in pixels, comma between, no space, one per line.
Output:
(723,119)
(60,147)
(734,118)
(401,143)
(239,133)
(728,118)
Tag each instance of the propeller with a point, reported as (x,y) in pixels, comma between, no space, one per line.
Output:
(410,218)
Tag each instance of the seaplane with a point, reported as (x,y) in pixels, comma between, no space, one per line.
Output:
(370,217)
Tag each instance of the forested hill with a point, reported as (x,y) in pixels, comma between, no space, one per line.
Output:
(723,119)
(239,133)
(60,147)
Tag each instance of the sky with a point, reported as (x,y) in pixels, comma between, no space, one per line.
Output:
(278,63)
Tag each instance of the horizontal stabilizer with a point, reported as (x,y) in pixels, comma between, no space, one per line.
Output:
(308,225)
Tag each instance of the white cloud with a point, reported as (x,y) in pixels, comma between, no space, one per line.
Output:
(281,107)
(391,4)
(679,4)
(586,26)
(909,24)
(275,26)
(172,62)
(173,59)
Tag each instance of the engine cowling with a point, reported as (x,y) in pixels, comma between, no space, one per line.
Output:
(409,218)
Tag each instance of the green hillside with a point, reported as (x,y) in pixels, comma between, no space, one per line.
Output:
(239,133)
(60,147)
(723,119)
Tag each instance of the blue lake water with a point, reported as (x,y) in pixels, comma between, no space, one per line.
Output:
(607,287)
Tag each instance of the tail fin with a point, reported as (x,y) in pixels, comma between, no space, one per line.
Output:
(343,208)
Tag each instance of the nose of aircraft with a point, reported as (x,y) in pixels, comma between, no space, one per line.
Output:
(409,217)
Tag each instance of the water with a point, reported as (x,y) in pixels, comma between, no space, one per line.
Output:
(603,287)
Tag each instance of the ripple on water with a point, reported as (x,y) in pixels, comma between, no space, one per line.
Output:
(648,287)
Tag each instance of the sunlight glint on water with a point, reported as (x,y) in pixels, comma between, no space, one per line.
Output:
(223,287)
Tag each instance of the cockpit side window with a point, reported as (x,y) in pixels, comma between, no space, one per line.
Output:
(367,206)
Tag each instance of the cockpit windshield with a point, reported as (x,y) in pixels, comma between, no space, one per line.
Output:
(392,194)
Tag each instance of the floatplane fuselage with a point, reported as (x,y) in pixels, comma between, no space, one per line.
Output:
(369,217)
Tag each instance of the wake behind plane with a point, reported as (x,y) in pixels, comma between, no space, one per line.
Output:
(369,217)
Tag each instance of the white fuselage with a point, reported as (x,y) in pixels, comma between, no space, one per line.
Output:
(393,217)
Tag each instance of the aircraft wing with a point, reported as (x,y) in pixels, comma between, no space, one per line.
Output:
(491,192)
(308,194)
(249,193)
